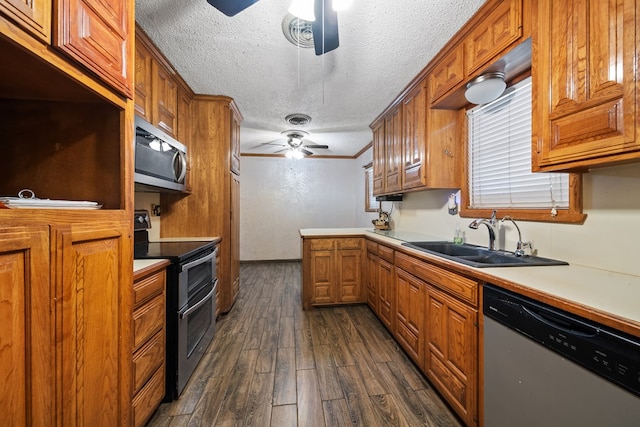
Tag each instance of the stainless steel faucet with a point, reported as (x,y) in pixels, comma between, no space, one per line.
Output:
(491,226)
(520,246)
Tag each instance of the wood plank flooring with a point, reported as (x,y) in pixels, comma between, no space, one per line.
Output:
(272,364)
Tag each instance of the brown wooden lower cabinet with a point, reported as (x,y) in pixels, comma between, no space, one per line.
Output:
(432,313)
(27,355)
(149,343)
(451,359)
(332,271)
(410,297)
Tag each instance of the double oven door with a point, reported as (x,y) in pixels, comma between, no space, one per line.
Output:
(191,320)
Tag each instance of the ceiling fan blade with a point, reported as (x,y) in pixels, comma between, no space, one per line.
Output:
(231,7)
(316,146)
(306,152)
(280,151)
(325,27)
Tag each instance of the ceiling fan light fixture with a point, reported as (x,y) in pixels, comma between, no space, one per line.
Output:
(339,5)
(294,153)
(303,9)
(485,88)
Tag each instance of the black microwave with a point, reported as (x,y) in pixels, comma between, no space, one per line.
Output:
(160,160)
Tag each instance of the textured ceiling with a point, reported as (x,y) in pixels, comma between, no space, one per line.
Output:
(383,45)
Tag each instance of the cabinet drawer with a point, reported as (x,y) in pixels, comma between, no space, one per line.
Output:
(372,247)
(147,320)
(147,360)
(350,243)
(146,288)
(454,284)
(321,244)
(386,253)
(146,402)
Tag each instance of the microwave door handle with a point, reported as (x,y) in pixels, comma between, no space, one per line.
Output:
(179,156)
(198,261)
(197,306)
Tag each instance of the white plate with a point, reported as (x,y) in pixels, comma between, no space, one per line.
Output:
(16,202)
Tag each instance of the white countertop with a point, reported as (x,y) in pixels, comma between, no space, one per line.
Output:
(139,264)
(605,293)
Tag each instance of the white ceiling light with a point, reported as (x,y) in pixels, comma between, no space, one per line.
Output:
(485,88)
(294,154)
(303,9)
(339,5)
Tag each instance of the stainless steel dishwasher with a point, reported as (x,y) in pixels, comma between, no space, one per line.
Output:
(546,367)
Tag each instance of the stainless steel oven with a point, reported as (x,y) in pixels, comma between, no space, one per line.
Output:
(191,300)
(195,315)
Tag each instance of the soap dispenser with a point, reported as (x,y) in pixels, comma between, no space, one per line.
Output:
(457,235)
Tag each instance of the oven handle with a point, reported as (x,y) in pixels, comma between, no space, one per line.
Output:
(200,303)
(198,261)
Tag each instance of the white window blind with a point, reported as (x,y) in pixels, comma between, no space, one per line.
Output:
(371,204)
(500,157)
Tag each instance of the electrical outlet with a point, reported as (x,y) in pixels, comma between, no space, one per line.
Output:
(155,210)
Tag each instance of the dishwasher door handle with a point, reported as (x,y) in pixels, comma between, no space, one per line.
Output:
(541,318)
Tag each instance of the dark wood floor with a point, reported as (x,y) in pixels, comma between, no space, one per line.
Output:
(272,364)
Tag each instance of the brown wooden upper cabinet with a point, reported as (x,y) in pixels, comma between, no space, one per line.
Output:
(378,158)
(413,135)
(164,98)
(495,29)
(498,30)
(157,96)
(393,150)
(447,74)
(586,84)
(34,16)
(97,34)
(143,86)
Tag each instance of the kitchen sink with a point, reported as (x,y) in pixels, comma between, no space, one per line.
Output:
(478,256)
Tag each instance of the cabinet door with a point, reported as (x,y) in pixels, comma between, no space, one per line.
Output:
(379,155)
(94,305)
(447,74)
(26,335)
(165,99)
(349,284)
(372,282)
(585,74)
(235,145)
(386,297)
(32,15)
(143,85)
(97,34)
(393,151)
(410,293)
(322,277)
(183,128)
(235,236)
(444,148)
(414,116)
(452,350)
(497,31)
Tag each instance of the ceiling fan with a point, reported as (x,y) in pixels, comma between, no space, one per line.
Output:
(324,27)
(296,145)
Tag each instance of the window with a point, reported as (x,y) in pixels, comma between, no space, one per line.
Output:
(499,165)
(370,202)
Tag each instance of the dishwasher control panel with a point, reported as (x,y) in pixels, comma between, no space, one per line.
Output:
(611,354)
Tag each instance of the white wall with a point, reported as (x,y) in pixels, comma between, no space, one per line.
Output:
(363,218)
(608,239)
(279,196)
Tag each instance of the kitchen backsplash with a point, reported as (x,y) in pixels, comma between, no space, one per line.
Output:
(608,239)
